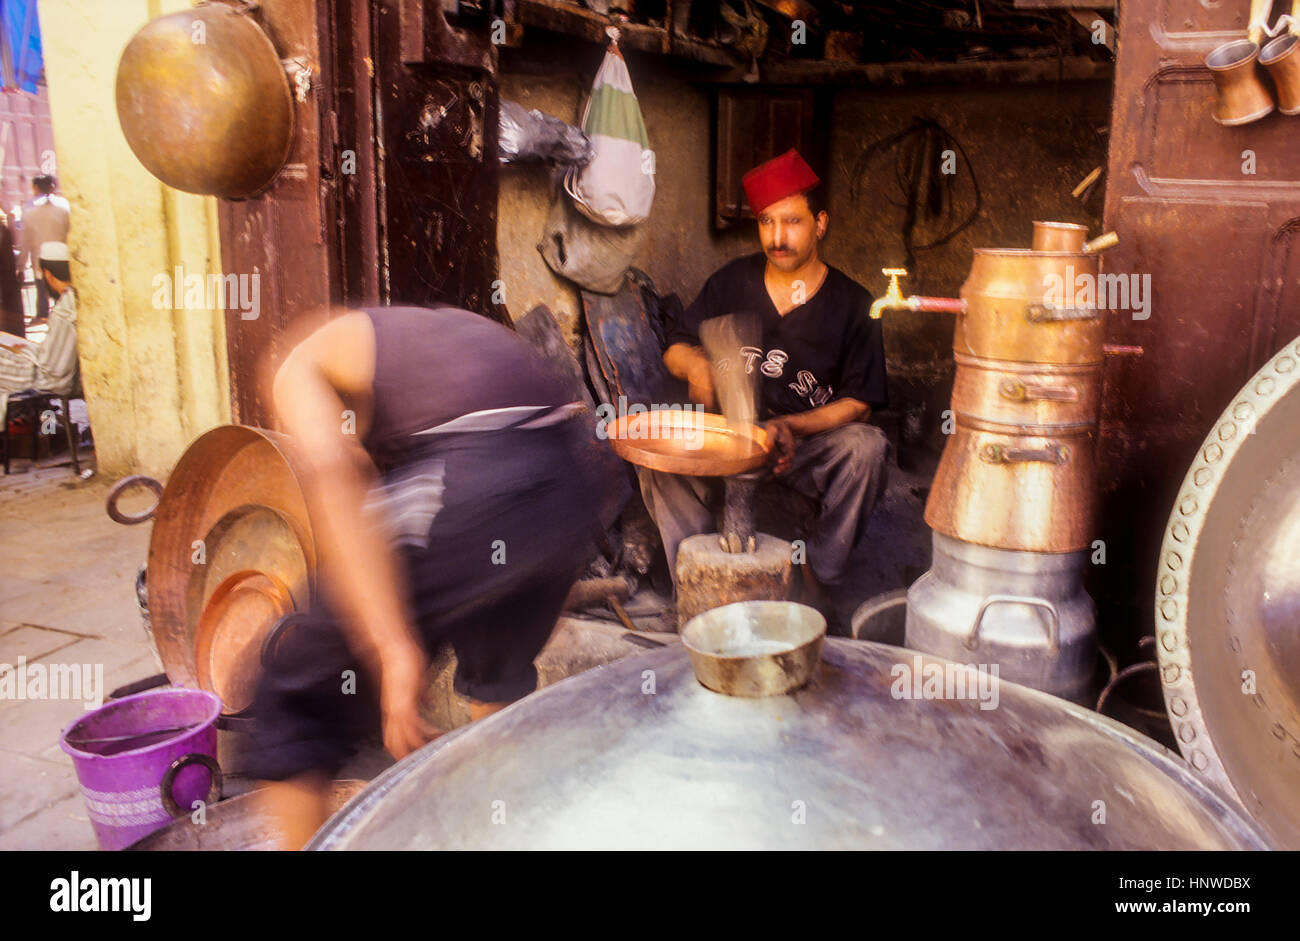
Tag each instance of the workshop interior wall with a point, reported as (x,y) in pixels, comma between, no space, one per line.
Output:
(1029,145)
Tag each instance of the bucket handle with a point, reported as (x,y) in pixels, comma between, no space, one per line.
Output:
(121,487)
(215,790)
(1053,618)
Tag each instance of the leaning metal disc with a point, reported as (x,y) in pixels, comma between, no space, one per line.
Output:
(1228,602)
(254,570)
(638,755)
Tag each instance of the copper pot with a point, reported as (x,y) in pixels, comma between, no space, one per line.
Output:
(1012,393)
(204,102)
(1029,488)
(1069,237)
(1282,59)
(1020,306)
(1243,94)
(232,516)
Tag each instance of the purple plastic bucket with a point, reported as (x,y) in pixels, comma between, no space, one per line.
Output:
(145,759)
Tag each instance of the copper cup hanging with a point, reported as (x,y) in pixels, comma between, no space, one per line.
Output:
(1243,94)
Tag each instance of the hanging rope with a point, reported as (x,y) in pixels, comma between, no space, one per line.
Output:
(926,191)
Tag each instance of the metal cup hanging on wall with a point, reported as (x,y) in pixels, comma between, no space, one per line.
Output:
(1281,56)
(204,101)
(1241,87)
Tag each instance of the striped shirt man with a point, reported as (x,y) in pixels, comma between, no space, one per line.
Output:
(48,366)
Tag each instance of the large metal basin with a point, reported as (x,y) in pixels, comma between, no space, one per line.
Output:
(1227,605)
(637,754)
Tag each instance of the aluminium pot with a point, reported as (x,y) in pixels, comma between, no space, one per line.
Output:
(1030,307)
(1029,488)
(1026,612)
(1013,393)
(638,754)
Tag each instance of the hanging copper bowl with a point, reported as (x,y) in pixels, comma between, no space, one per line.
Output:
(1027,488)
(204,102)
(1012,393)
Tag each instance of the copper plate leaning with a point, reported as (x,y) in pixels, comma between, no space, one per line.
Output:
(680,441)
(233,503)
(232,629)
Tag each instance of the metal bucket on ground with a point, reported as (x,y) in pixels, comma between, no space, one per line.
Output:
(145,759)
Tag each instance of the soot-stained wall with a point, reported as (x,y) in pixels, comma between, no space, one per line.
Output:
(1029,145)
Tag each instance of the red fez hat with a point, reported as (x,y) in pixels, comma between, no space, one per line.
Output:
(780,177)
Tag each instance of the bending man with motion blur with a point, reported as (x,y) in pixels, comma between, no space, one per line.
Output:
(447,496)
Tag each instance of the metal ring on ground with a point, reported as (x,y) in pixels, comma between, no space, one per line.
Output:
(125,484)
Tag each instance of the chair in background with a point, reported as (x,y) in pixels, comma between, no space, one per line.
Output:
(35,403)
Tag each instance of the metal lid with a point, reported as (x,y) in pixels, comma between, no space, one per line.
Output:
(637,754)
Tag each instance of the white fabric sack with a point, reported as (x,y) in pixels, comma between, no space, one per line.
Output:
(618,187)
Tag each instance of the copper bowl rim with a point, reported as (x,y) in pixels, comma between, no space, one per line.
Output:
(687,634)
(1222,51)
(1292,43)
(1070,226)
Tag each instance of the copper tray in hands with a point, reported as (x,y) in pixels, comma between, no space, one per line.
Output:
(681,441)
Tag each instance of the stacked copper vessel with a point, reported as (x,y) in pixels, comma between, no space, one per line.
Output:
(1013,502)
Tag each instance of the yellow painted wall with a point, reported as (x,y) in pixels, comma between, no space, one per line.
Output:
(154,379)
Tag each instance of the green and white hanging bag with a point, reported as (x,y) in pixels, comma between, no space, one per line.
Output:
(618,187)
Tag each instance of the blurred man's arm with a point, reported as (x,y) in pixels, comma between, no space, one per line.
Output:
(309,391)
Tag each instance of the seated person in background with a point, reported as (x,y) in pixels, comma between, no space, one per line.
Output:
(822,367)
(51,365)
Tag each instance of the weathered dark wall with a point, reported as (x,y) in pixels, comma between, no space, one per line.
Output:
(1029,146)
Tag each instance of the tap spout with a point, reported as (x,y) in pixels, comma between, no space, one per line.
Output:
(894,299)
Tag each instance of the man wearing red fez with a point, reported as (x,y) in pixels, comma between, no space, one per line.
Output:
(821,369)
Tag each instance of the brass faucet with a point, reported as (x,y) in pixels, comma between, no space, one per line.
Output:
(893,299)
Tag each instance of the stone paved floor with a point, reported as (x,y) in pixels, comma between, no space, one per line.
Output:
(67,596)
